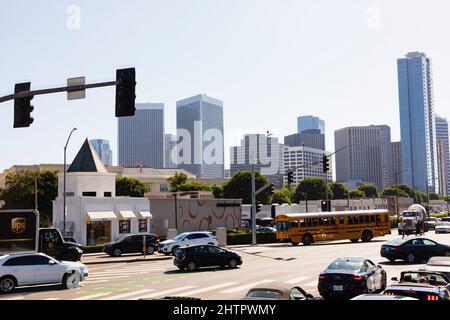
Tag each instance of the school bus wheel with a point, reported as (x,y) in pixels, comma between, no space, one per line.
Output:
(294,243)
(307,239)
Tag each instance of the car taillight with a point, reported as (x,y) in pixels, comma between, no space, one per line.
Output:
(432,297)
(389,294)
(358,278)
(322,277)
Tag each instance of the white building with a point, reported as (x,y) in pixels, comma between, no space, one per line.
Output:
(94,215)
(298,156)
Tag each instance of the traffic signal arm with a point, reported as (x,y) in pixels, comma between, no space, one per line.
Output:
(269,185)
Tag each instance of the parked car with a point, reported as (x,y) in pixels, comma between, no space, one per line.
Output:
(421,291)
(428,277)
(438,264)
(278,293)
(447,219)
(70,239)
(197,256)
(442,227)
(266,229)
(431,223)
(186,239)
(412,250)
(26,269)
(349,277)
(382,297)
(132,243)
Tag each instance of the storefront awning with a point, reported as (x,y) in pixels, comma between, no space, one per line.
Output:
(126,214)
(101,215)
(145,214)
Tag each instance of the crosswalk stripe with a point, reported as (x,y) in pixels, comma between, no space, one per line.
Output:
(107,277)
(165,292)
(14,298)
(92,296)
(128,294)
(296,280)
(206,289)
(115,273)
(311,284)
(93,281)
(247,286)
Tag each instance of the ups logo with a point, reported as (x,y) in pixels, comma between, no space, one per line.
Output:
(18,225)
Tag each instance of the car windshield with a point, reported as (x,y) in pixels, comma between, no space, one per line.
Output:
(180,236)
(345,265)
(268,294)
(409,214)
(421,277)
(438,262)
(443,223)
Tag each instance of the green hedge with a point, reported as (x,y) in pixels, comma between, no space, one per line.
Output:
(439,215)
(246,238)
(92,249)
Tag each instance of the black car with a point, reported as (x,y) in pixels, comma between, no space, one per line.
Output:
(413,250)
(194,257)
(350,277)
(132,243)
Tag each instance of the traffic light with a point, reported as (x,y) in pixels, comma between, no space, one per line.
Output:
(22,107)
(290,177)
(325,162)
(258,207)
(272,188)
(326,205)
(125,92)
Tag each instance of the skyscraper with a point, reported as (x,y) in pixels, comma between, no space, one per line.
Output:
(200,147)
(366,155)
(141,137)
(310,122)
(311,138)
(103,149)
(396,151)
(444,156)
(417,122)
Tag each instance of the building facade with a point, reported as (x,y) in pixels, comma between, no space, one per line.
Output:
(417,122)
(396,153)
(443,156)
(200,145)
(311,138)
(298,156)
(103,149)
(363,155)
(310,122)
(141,137)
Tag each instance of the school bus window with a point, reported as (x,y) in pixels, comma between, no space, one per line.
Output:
(326,221)
(315,222)
(341,220)
(386,218)
(378,218)
(350,220)
(302,223)
(308,223)
(282,226)
(366,219)
(372,219)
(294,224)
(333,221)
(320,221)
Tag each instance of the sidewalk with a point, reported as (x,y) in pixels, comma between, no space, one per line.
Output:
(102,258)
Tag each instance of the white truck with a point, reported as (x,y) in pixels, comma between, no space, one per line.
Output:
(412,219)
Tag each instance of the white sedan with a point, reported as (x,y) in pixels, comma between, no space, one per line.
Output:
(442,227)
(24,269)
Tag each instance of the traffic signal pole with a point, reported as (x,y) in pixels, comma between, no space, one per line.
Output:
(253,207)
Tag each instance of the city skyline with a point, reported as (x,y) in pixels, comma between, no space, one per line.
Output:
(368,70)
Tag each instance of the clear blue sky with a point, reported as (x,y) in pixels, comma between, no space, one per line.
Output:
(268,60)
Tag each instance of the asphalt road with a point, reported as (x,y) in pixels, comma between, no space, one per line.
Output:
(132,277)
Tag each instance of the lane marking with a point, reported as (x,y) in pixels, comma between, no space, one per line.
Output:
(206,289)
(165,292)
(311,284)
(106,277)
(92,296)
(128,294)
(296,280)
(247,286)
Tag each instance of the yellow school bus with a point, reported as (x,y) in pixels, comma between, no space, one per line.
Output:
(327,226)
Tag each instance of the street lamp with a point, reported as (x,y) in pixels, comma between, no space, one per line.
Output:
(396,190)
(64,191)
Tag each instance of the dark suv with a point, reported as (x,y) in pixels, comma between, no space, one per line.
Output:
(193,257)
(132,243)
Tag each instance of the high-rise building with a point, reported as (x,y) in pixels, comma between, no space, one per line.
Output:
(385,155)
(442,135)
(417,122)
(103,149)
(396,152)
(364,154)
(310,122)
(264,152)
(200,147)
(299,156)
(311,138)
(170,141)
(141,137)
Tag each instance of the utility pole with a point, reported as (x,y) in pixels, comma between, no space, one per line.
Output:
(64,183)
(35,192)
(253,206)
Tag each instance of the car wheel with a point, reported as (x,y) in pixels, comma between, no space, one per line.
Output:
(211,244)
(366,236)
(174,250)
(117,252)
(181,268)
(7,284)
(354,240)
(410,257)
(307,239)
(167,253)
(391,259)
(232,264)
(150,250)
(71,280)
(191,266)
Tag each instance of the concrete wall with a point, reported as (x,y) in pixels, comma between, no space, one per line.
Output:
(194,214)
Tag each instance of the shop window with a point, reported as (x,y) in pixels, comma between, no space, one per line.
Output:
(89,194)
(143,225)
(124,226)
(107,194)
(98,232)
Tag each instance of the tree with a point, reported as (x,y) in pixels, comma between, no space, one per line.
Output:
(217,191)
(194,186)
(356,194)
(19,192)
(369,190)
(130,187)
(434,196)
(314,189)
(176,181)
(240,187)
(392,191)
(339,190)
(284,195)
